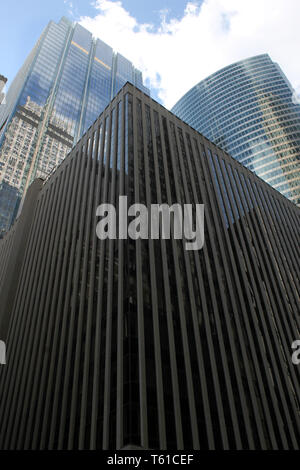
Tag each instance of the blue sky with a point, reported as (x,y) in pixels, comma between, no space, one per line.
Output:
(176,43)
(23,20)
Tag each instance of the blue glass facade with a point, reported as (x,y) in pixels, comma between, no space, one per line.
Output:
(45,65)
(247,109)
(66,82)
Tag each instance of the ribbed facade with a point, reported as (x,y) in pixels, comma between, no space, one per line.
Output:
(141,342)
(248,110)
(65,83)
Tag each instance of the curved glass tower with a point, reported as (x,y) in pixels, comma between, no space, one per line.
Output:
(247,109)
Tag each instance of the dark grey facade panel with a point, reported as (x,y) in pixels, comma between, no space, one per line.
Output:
(12,251)
(123,342)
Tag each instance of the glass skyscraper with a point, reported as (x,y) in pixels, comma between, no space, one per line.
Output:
(67,80)
(247,109)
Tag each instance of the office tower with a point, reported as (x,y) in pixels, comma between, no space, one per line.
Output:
(3,81)
(67,80)
(122,342)
(247,109)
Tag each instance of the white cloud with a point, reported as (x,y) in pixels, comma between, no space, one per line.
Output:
(181,52)
(71,9)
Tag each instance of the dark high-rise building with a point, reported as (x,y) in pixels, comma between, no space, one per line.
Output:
(122,342)
(65,83)
(248,109)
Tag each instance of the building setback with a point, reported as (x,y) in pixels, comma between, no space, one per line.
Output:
(248,109)
(114,343)
(67,80)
